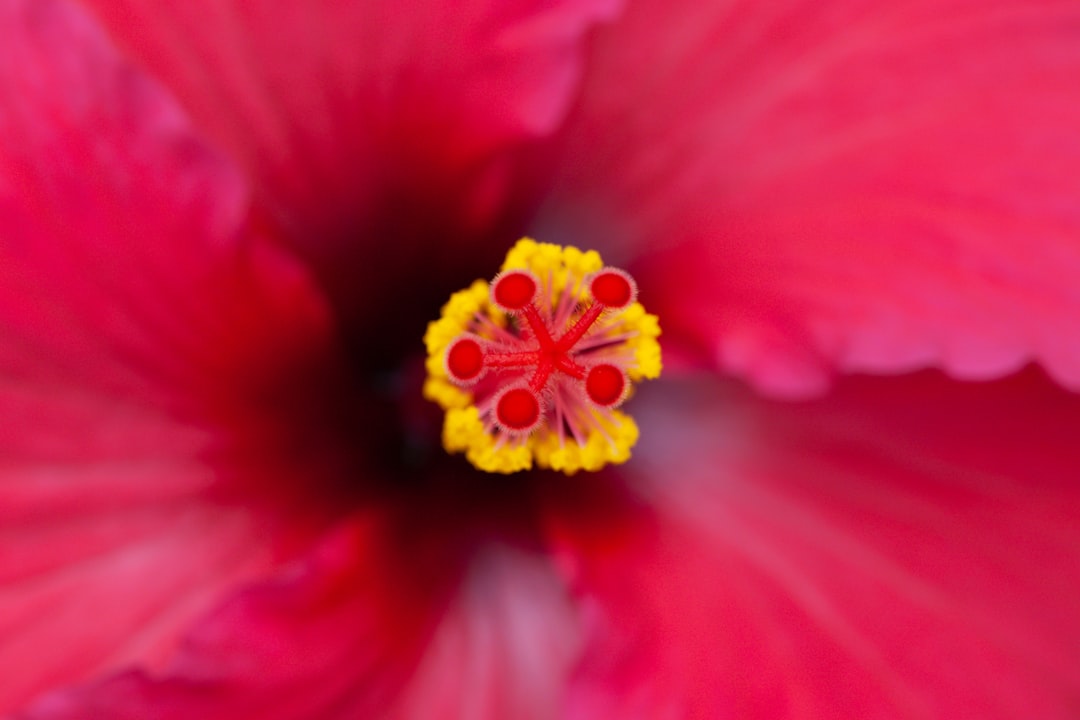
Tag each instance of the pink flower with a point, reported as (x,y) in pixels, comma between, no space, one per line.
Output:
(224,227)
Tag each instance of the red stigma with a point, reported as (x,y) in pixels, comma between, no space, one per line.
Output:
(518,410)
(464,360)
(605,385)
(514,290)
(613,288)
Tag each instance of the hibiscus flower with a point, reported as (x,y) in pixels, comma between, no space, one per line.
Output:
(225,228)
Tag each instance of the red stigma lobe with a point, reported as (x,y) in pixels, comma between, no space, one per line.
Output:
(514,290)
(465,360)
(605,385)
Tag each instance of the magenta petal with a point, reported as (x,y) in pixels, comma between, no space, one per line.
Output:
(846,186)
(333,638)
(131,310)
(505,648)
(332,107)
(364,631)
(904,548)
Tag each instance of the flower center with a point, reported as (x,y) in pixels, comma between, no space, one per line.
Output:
(533,367)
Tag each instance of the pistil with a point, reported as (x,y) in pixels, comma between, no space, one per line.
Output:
(534,365)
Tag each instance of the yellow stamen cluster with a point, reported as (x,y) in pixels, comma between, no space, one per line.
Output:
(611,434)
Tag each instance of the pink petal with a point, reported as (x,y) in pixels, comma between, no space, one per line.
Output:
(852,186)
(135,319)
(361,121)
(904,548)
(352,635)
(505,648)
(336,633)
